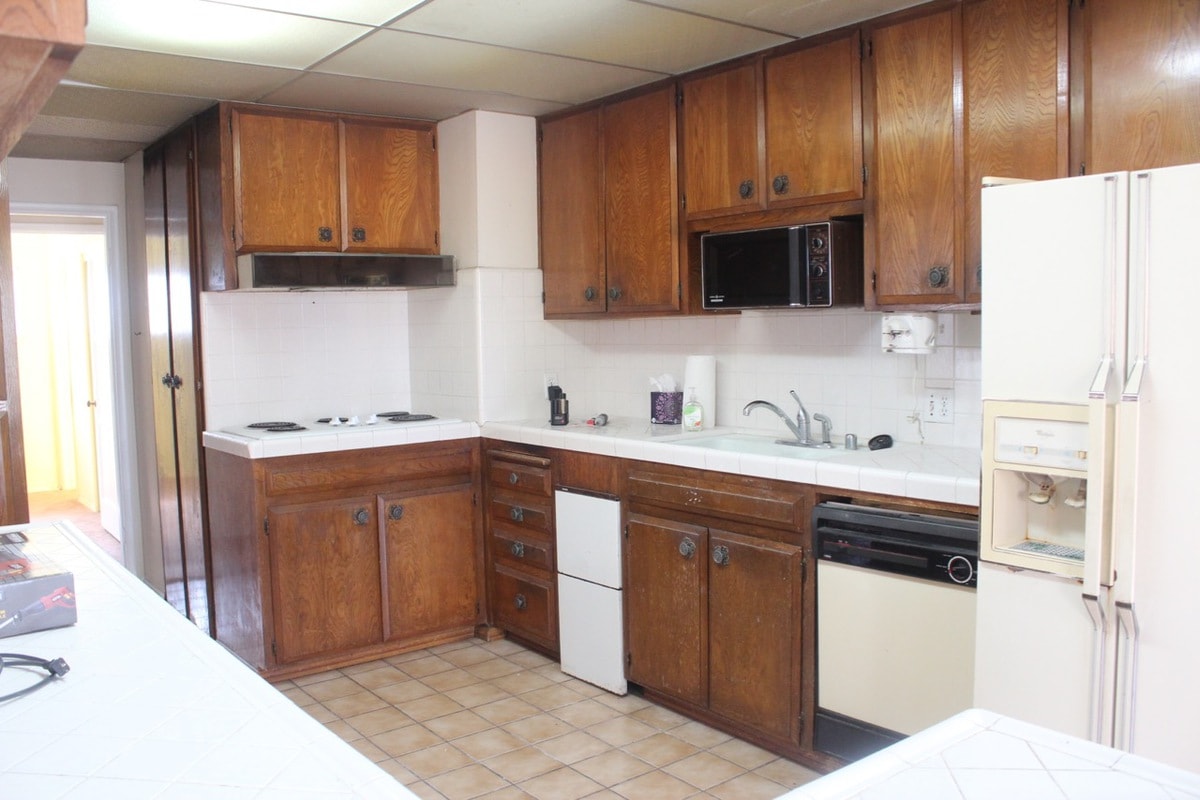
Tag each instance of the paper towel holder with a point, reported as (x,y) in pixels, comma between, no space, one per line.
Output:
(908,333)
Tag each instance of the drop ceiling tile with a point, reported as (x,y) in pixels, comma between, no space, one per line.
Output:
(117,68)
(72,149)
(449,64)
(620,32)
(363,12)
(798,18)
(211,30)
(112,105)
(387,98)
(46,125)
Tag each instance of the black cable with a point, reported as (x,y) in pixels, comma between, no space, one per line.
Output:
(56,667)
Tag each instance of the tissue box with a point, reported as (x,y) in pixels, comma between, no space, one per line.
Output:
(666,408)
(35,593)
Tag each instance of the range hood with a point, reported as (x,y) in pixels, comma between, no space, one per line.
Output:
(343,271)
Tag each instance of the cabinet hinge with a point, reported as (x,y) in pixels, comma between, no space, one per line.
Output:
(267,526)
(628,660)
(873,284)
(232,235)
(679,96)
(1083,168)
(870,48)
(679,290)
(433,140)
(864,174)
(683,202)
(436,238)
(626,530)
(475,500)
(274,650)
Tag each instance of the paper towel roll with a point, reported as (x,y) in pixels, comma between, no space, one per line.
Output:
(700,373)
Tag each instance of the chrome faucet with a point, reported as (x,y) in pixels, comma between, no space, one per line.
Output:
(799,428)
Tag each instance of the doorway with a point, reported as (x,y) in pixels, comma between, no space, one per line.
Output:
(64,335)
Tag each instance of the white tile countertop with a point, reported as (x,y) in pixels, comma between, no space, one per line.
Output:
(153,708)
(981,755)
(926,472)
(324,439)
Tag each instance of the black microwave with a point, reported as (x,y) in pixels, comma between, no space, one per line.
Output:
(818,265)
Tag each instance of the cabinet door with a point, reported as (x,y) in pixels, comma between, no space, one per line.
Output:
(912,252)
(666,616)
(814,123)
(754,601)
(1141,84)
(721,167)
(390,180)
(640,196)
(325,591)
(285,174)
(1015,93)
(429,561)
(572,215)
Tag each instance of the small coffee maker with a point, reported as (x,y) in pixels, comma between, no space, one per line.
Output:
(559,408)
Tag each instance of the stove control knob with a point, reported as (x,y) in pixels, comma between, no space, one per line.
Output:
(373,419)
(335,420)
(353,420)
(960,569)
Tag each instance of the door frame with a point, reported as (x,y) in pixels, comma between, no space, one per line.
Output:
(120,350)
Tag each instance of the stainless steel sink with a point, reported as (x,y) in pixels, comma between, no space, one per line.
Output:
(754,444)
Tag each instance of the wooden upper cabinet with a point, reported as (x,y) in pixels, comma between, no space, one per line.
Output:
(780,131)
(968,91)
(391,186)
(1139,82)
(1015,93)
(814,123)
(570,178)
(286,182)
(913,215)
(640,191)
(307,181)
(722,164)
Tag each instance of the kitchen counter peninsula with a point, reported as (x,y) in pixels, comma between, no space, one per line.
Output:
(151,707)
(916,471)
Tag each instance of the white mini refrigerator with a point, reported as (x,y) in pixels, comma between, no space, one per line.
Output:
(1087,600)
(590,612)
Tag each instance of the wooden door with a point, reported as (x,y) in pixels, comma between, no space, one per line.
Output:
(754,617)
(1140,84)
(666,613)
(912,250)
(14,497)
(325,588)
(390,180)
(640,190)
(430,570)
(571,210)
(286,181)
(814,123)
(1015,95)
(722,168)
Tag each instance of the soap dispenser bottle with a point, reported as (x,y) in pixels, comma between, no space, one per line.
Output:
(693,412)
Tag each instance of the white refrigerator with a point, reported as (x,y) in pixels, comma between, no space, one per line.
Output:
(1088,601)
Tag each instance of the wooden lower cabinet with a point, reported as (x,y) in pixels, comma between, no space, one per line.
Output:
(714,619)
(331,559)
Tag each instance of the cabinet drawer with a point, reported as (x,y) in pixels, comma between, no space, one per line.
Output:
(518,548)
(527,606)
(340,470)
(521,512)
(730,498)
(528,475)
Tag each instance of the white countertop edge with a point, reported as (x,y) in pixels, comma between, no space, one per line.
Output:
(349,439)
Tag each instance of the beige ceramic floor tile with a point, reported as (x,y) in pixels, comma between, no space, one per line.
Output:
(398,771)
(661,749)
(432,761)
(425,791)
(467,655)
(574,746)
(503,647)
(424,667)
(521,682)
(613,767)
(379,721)
(748,786)
(477,694)
(528,659)
(321,714)
(552,672)
(626,704)
(297,695)
(508,793)
(494,668)
(662,718)
(621,731)
(467,782)
(488,744)
(538,728)
(521,765)
(405,740)
(379,677)
(431,707)
(450,679)
(352,705)
(371,750)
(456,726)
(585,713)
(700,735)
(656,785)
(552,697)
(561,784)
(743,754)
(402,693)
(507,710)
(328,689)
(343,729)
(704,770)
(787,773)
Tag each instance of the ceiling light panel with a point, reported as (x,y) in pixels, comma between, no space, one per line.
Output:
(431,61)
(620,32)
(211,30)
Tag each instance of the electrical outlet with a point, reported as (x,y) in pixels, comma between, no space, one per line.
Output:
(937,405)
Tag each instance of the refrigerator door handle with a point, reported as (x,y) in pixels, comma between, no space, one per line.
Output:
(1125,699)
(1095,610)
(1097,531)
